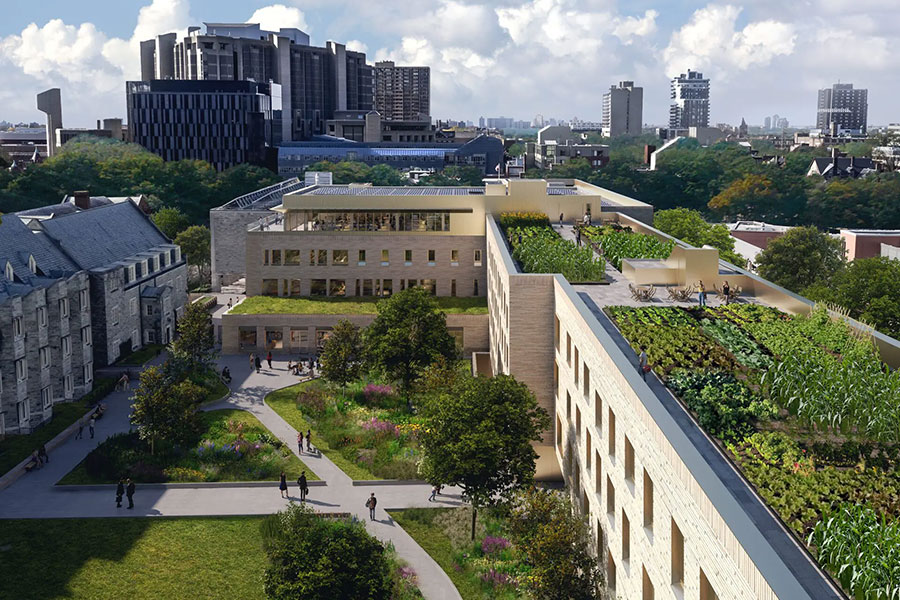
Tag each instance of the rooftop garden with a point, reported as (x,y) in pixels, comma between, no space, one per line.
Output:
(807,410)
(269,305)
(539,249)
(616,242)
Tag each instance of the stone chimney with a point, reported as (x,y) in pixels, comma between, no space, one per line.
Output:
(83,200)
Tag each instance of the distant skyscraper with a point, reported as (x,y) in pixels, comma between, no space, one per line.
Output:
(623,110)
(841,107)
(767,123)
(690,101)
(402,93)
(481,122)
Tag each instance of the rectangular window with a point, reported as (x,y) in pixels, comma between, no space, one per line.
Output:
(475,288)
(626,537)
(42,316)
(265,257)
(367,288)
(431,256)
(66,343)
(269,287)
(407,256)
(292,258)
(569,349)
(610,497)
(576,366)
(86,336)
(612,433)
(340,258)
(299,337)
(46,397)
(478,258)
(149,310)
(598,413)
(598,472)
(577,421)
(322,258)
(385,258)
(587,449)
(568,407)
(556,332)
(114,315)
(276,258)
(587,382)
(706,590)
(18,330)
(362,258)
(133,303)
(64,307)
(387,287)
(454,257)
(83,300)
(610,571)
(23,412)
(135,339)
(647,592)
(337,287)
(411,283)
(648,500)
(559,430)
(629,460)
(68,386)
(677,555)
(430,286)
(21,370)
(312,258)
(45,357)
(452,287)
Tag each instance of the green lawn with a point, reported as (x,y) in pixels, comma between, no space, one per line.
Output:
(139,357)
(350,306)
(16,448)
(284,402)
(419,523)
(215,558)
(231,446)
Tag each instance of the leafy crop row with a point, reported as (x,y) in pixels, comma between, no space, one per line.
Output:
(617,245)
(542,250)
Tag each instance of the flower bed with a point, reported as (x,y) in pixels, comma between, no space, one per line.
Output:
(806,409)
(365,428)
(616,243)
(232,445)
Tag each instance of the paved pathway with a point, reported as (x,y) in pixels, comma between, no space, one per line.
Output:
(35,496)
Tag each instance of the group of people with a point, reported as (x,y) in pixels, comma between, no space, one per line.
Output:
(125,487)
(309,448)
(301,483)
(92,422)
(256,361)
(701,293)
(124,382)
(39,457)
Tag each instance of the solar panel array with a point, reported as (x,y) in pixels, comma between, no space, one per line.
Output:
(338,190)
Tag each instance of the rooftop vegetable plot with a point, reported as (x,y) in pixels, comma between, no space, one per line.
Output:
(617,242)
(540,249)
(809,413)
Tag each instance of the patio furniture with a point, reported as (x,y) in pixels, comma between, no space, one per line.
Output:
(642,294)
(681,294)
(733,294)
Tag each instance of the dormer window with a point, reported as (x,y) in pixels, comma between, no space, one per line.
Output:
(32,264)
(10,274)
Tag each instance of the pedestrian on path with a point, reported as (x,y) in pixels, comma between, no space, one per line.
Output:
(308,440)
(258,364)
(300,442)
(434,491)
(80,434)
(36,460)
(252,361)
(42,454)
(282,485)
(269,358)
(643,364)
(129,491)
(560,219)
(120,491)
(701,294)
(304,489)
(726,291)
(370,504)
(91,424)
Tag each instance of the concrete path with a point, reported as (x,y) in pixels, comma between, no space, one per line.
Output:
(36,496)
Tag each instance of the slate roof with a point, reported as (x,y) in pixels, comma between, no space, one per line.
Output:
(104,235)
(17,243)
(825,166)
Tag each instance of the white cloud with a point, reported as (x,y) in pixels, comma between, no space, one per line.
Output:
(710,40)
(279,16)
(357,46)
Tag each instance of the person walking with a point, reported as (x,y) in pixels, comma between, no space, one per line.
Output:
(120,491)
(643,364)
(578,237)
(42,454)
(701,294)
(80,434)
(252,361)
(91,424)
(282,485)
(258,364)
(304,488)
(300,442)
(309,440)
(434,491)
(726,291)
(129,492)
(560,219)
(370,504)
(269,358)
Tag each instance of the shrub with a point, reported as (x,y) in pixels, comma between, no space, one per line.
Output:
(523,219)
(374,392)
(311,401)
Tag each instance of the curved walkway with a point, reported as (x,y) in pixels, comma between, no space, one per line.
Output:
(36,496)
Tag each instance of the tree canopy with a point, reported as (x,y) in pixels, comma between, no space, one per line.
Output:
(195,243)
(800,258)
(408,334)
(343,352)
(170,221)
(194,349)
(164,410)
(689,226)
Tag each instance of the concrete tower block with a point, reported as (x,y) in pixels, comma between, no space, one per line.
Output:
(50,102)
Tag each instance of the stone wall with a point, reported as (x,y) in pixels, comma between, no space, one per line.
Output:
(228,231)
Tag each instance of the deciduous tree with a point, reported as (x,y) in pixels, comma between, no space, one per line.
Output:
(800,258)
(342,354)
(170,221)
(194,349)
(164,410)
(195,243)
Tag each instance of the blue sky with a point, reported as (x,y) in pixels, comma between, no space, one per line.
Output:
(512,57)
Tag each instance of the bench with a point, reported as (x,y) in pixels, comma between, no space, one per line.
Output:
(31,466)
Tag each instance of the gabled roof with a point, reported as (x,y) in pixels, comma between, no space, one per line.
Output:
(846,166)
(104,235)
(17,244)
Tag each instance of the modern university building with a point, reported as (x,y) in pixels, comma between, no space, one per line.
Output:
(672,514)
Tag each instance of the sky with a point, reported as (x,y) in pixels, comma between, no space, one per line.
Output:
(514,58)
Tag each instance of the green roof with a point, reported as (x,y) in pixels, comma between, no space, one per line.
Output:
(269,305)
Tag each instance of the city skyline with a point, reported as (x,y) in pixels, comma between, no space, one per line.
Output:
(478,52)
